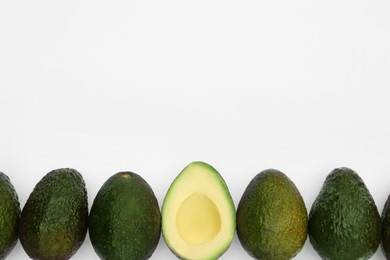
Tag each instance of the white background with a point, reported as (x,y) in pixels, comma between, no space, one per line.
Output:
(149,86)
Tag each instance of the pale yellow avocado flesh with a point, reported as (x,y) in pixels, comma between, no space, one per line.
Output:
(198,214)
(198,220)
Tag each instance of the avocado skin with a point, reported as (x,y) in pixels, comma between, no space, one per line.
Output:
(125,219)
(54,220)
(386,229)
(344,222)
(9,216)
(272,217)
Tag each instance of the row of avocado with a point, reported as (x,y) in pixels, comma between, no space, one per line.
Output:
(198,217)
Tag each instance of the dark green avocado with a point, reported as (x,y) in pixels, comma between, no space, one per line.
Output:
(125,219)
(54,220)
(386,229)
(272,217)
(344,222)
(9,216)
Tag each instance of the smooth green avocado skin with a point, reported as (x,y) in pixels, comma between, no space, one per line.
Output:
(272,217)
(386,229)
(9,216)
(54,220)
(344,222)
(125,219)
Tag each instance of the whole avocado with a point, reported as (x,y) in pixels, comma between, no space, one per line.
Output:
(272,217)
(9,216)
(386,229)
(54,220)
(125,219)
(344,222)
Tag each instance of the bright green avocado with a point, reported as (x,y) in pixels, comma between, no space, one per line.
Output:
(9,216)
(54,220)
(344,222)
(198,214)
(272,217)
(125,219)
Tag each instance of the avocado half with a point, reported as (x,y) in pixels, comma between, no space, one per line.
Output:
(198,214)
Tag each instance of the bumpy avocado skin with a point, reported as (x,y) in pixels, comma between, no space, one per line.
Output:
(386,229)
(272,217)
(9,216)
(54,220)
(344,222)
(125,219)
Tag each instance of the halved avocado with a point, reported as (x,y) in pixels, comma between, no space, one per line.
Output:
(198,214)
